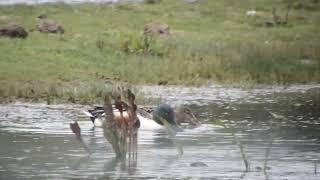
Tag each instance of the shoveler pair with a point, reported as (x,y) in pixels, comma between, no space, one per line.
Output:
(149,117)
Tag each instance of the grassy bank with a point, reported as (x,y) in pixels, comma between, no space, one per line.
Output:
(211,41)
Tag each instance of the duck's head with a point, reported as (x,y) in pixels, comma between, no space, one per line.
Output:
(185,117)
(164,112)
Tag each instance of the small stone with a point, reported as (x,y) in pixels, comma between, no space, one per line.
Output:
(4,18)
(49,26)
(162,83)
(157,27)
(251,13)
(198,164)
(13,31)
(269,24)
(42,16)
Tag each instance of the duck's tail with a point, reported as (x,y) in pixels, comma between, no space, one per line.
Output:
(95,113)
(87,113)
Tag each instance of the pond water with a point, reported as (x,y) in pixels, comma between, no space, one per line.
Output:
(281,125)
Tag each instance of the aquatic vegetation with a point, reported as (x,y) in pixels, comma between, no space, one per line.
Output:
(236,140)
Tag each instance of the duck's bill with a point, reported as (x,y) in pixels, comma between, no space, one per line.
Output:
(87,113)
(194,121)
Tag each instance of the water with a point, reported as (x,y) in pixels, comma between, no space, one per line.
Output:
(36,142)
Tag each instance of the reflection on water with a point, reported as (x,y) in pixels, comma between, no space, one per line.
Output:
(36,141)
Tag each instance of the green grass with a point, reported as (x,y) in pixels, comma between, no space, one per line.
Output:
(211,42)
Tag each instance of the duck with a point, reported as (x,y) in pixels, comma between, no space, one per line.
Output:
(180,117)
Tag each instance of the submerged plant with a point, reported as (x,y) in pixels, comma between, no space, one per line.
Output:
(237,141)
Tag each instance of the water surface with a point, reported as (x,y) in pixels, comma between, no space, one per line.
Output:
(36,142)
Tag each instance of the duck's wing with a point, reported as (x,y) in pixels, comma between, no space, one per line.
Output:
(97,108)
(98,111)
(145,111)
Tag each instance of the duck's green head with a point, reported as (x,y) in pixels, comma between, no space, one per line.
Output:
(164,112)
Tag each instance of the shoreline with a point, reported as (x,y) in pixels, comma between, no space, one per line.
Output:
(147,94)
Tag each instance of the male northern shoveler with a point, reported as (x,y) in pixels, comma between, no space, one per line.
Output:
(149,117)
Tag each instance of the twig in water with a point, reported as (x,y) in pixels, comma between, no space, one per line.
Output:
(243,155)
(238,142)
(267,154)
(268,150)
